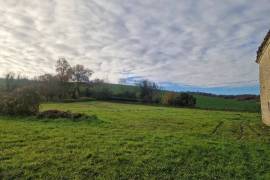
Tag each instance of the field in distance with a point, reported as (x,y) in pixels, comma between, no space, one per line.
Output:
(135,142)
(219,103)
(203,101)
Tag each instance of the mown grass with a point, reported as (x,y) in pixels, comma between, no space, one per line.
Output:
(135,142)
(218,103)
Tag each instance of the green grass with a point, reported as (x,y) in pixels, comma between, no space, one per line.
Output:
(135,142)
(203,101)
(218,103)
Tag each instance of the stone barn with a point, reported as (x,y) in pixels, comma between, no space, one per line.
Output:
(263,59)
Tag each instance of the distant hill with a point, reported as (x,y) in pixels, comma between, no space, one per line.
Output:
(248,103)
(221,103)
(208,101)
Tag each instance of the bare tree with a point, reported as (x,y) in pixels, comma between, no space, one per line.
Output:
(45,77)
(64,70)
(97,82)
(9,80)
(80,73)
(49,86)
(148,90)
(64,74)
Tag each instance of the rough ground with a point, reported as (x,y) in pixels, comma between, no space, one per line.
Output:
(135,142)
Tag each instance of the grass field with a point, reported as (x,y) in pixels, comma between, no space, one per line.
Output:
(218,103)
(203,102)
(135,142)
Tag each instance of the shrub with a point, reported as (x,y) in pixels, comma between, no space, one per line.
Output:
(122,99)
(7,104)
(22,101)
(183,99)
(88,92)
(148,90)
(82,99)
(49,87)
(168,98)
(103,93)
(127,94)
(28,101)
(157,98)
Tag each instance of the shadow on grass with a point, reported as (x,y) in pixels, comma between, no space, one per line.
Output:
(92,119)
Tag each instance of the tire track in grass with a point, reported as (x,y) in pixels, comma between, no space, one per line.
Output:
(265,131)
(241,130)
(246,125)
(218,126)
(253,130)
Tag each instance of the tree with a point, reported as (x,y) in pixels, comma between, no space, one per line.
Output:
(97,82)
(64,74)
(64,70)
(49,86)
(176,99)
(168,98)
(80,73)
(9,80)
(45,77)
(147,90)
(185,99)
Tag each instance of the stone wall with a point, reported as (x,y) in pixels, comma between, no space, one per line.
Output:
(265,84)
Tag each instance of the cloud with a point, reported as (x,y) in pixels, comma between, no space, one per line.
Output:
(200,43)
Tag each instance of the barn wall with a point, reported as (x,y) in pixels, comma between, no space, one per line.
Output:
(265,85)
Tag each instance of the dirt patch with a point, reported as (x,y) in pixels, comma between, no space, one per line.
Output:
(56,114)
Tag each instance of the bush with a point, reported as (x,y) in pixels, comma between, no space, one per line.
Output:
(122,99)
(147,90)
(185,99)
(49,87)
(7,104)
(82,99)
(103,93)
(182,99)
(157,98)
(168,98)
(127,94)
(87,92)
(22,101)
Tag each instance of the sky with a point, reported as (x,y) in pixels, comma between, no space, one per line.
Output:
(194,45)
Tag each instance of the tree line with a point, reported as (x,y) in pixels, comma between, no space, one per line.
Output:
(72,83)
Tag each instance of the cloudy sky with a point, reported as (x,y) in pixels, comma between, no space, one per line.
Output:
(201,44)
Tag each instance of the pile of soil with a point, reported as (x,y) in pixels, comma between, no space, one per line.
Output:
(56,114)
